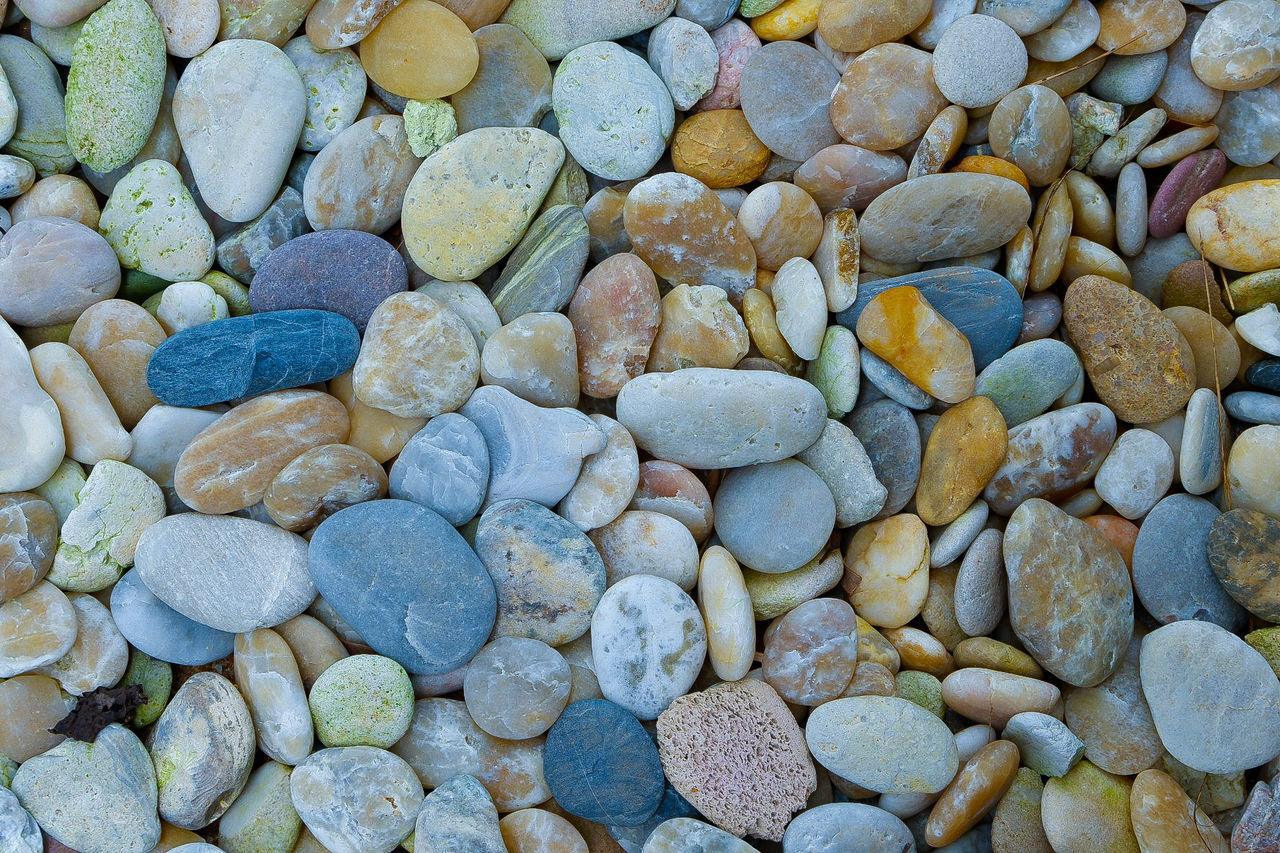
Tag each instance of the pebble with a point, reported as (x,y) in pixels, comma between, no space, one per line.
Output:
(1016,823)
(546,266)
(158,630)
(70,787)
(643,542)
(91,428)
(674,490)
(1085,808)
(607,482)
(1172,574)
(540,831)
(1241,549)
(459,815)
(887,570)
(980,585)
(1045,743)
(685,58)
(512,84)
(889,435)
(1205,686)
(1052,454)
(33,704)
(36,629)
(1222,225)
(558,27)
(615,315)
(1044,549)
(267,675)
(827,828)
(900,326)
(911,750)
(444,467)
(263,814)
(978,60)
(535,357)
(39,133)
(678,833)
(153,224)
(362,700)
(964,451)
(1258,821)
(1114,721)
(357,799)
(1251,474)
(1024,382)
(320,482)
(18,829)
(1253,407)
(202,747)
(430,635)
(516,688)
(1137,472)
(863,118)
(808,511)
(698,328)
(842,463)
(976,790)
(783,88)
(1165,818)
(52,269)
(602,766)
(28,540)
(492,179)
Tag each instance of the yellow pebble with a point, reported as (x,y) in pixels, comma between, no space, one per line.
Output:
(987,165)
(794,19)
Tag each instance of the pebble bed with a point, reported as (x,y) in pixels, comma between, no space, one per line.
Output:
(658,426)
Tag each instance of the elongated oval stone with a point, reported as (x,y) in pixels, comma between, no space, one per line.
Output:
(267,674)
(558,26)
(251,355)
(157,629)
(900,326)
(1070,599)
(114,85)
(545,268)
(953,215)
(648,642)
(706,417)
(229,573)
(684,232)
(883,743)
(601,764)
(1228,226)
(32,440)
(384,566)
(470,202)
(1051,455)
(203,750)
(239,109)
(40,133)
(547,573)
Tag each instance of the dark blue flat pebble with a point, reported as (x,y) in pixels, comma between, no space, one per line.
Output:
(982,304)
(601,764)
(154,627)
(406,581)
(251,355)
(1265,375)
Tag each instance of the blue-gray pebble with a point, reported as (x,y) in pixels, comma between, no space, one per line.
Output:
(444,467)
(1130,80)
(601,764)
(251,355)
(890,382)
(756,504)
(406,581)
(891,438)
(1253,407)
(982,304)
(154,627)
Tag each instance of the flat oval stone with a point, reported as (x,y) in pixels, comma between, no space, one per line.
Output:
(811,652)
(982,304)
(615,313)
(358,180)
(1165,818)
(99,656)
(157,629)
(444,467)
(1205,686)
(678,833)
(1244,553)
(335,86)
(775,495)
(115,84)
(471,201)
(865,118)
(52,269)
(649,642)
(785,91)
(1172,573)
(357,799)
(601,764)
(547,573)
(889,434)
(154,225)
(535,453)
(1051,455)
(381,564)
(347,272)
(890,559)
(643,542)
(262,815)
(686,234)
(1136,473)
(200,565)
(512,86)
(230,465)
(901,327)
(70,789)
(615,114)
(33,704)
(267,674)
(362,700)
(255,354)
(1224,226)
(558,27)
(1070,599)
(459,815)
(943,216)
(1114,721)
(713,418)
(1251,469)
(320,482)
(1025,381)
(840,460)
(36,628)
(28,540)
(239,138)
(203,749)
(994,697)
(886,744)
(965,449)
(827,829)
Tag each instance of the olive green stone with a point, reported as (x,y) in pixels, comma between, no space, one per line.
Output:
(1250,292)
(429,124)
(155,677)
(1266,641)
(836,372)
(923,689)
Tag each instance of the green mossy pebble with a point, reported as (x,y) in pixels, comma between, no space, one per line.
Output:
(1266,641)
(363,700)
(836,371)
(923,689)
(429,124)
(155,677)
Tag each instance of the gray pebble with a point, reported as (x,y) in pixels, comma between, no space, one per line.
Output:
(1130,80)
(357,799)
(980,585)
(685,59)
(1253,407)
(890,381)
(889,434)
(755,503)
(444,467)
(1046,744)
(956,537)
(19,832)
(1131,209)
(459,815)
(1200,451)
(840,461)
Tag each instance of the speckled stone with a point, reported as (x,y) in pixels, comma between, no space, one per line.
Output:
(1171,570)
(203,748)
(840,461)
(347,272)
(1244,553)
(362,700)
(154,225)
(380,558)
(459,815)
(1079,635)
(256,354)
(1085,808)
(601,764)
(357,799)
(648,643)
(71,789)
(1205,686)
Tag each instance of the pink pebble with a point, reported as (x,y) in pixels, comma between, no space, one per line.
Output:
(735,42)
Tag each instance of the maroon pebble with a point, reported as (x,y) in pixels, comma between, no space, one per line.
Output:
(1193,176)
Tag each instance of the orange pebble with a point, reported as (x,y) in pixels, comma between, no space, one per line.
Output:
(987,165)
(718,148)
(794,19)
(1122,533)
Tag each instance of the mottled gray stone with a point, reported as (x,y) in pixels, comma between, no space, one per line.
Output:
(40,136)
(534,453)
(1046,744)
(335,87)
(544,269)
(1171,572)
(1214,699)
(1253,407)
(19,832)
(162,632)
(203,748)
(357,799)
(847,828)
(52,269)
(1130,80)
(685,59)
(705,417)
(980,585)
(840,461)
(95,797)
(512,86)
(444,467)
(229,573)
(685,833)
(1025,381)
(547,573)
(786,89)
(754,503)
(242,251)
(889,434)
(889,381)
(954,540)
(459,815)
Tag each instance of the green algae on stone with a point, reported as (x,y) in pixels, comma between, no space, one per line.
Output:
(923,689)
(836,371)
(155,677)
(153,224)
(429,124)
(61,488)
(235,293)
(363,700)
(1266,641)
(115,84)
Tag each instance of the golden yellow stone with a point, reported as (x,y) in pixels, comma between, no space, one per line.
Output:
(762,322)
(887,570)
(1131,27)
(990,653)
(857,25)
(1166,820)
(117,338)
(920,651)
(900,326)
(987,165)
(421,51)
(718,148)
(975,791)
(794,19)
(699,328)
(1085,257)
(965,449)
(1233,226)
(379,433)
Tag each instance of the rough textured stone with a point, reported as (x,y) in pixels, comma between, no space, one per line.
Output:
(1244,553)
(444,467)
(544,269)
(154,225)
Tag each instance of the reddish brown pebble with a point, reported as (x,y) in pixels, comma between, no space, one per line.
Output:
(1193,177)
